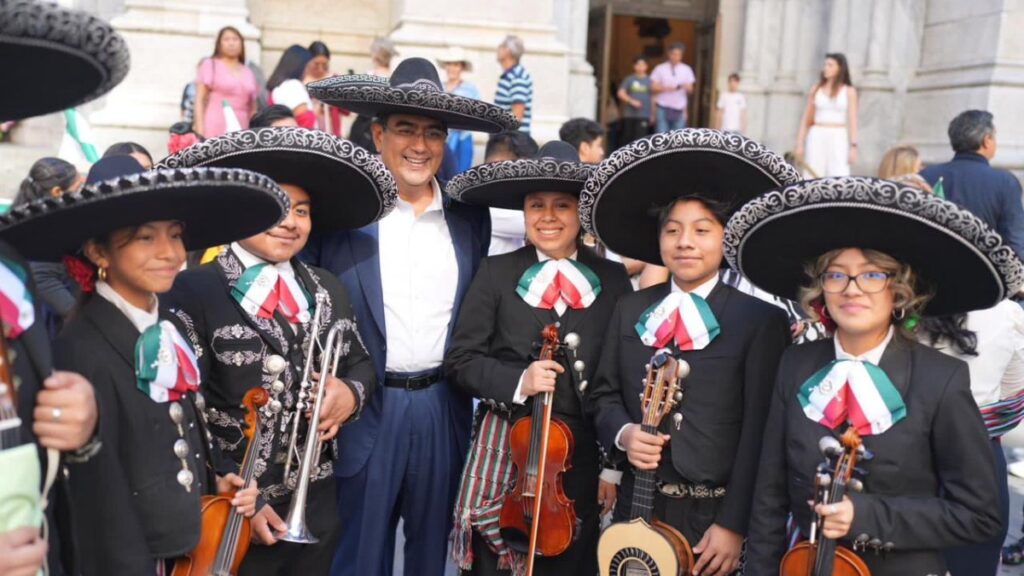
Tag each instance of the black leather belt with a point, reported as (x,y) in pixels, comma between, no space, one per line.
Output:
(414,380)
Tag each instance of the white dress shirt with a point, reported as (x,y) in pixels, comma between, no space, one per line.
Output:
(873,356)
(248,260)
(508,231)
(997,372)
(419,277)
(141,319)
(704,290)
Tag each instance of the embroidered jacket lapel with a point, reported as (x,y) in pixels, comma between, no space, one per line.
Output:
(231,268)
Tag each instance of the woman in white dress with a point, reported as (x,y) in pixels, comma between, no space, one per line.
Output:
(829,125)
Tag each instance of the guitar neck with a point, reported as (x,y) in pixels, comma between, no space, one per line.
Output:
(643,488)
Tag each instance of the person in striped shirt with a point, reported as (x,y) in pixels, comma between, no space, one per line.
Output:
(515,87)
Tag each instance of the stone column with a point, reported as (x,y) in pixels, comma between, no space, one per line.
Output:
(876,72)
(752,37)
(785,79)
(167,39)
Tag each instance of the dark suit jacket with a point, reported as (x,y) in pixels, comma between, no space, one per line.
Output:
(129,507)
(32,364)
(989,193)
(494,340)
(232,346)
(941,446)
(725,398)
(354,256)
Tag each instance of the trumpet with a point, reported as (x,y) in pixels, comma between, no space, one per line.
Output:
(331,354)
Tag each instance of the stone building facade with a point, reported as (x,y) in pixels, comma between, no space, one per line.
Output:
(916,63)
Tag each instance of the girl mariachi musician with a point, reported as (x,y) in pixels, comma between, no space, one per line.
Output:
(868,256)
(554,280)
(731,341)
(128,228)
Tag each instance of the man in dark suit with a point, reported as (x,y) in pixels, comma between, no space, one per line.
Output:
(407,276)
(992,194)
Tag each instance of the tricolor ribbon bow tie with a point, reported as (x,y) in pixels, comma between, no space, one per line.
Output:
(17,310)
(683,318)
(852,391)
(262,289)
(165,365)
(559,284)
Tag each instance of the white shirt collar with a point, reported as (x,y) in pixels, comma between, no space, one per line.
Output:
(436,202)
(139,318)
(541,257)
(703,290)
(873,356)
(248,259)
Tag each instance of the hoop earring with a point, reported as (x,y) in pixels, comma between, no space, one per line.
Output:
(102,273)
(902,314)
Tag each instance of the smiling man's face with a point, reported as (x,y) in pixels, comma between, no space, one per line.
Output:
(412,147)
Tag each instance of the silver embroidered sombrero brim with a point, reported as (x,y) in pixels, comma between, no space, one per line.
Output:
(957,258)
(414,88)
(348,186)
(52,58)
(620,201)
(557,168)
(216,205)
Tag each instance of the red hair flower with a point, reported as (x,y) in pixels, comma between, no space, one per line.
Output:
(822,313)
(82,273)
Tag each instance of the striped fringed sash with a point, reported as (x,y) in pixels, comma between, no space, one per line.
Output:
(486,479)
(1002,416)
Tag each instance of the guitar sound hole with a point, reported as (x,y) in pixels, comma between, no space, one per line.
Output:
(633,562)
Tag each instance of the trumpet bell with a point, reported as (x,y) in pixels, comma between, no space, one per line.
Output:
(298,533)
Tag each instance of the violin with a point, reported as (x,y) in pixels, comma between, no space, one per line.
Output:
(224,539)
(537,517)
(10,423)
(824,556)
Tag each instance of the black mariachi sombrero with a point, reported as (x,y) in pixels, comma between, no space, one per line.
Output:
(348,186)
(556,168)
(956,257)
(52,58)
(413,88)
(620,201)
(217,206)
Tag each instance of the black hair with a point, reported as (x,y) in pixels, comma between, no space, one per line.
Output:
(127,149)
(220,35)
(45,174)
(639,58)
(953,329)
(718,209)
(291,66)
(579,130)
(968,130)
(734,76)
(518,144)
(842,79)
(318,48)
(266,117)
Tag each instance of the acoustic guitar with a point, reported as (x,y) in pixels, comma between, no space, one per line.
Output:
(644,546)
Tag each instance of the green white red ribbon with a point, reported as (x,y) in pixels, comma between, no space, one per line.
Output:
(17,309)
(683,318)
(559,284)
(852,391)
(165,365)
(262,289)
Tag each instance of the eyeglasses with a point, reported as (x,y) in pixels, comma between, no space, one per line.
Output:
(868,282)
(430,134)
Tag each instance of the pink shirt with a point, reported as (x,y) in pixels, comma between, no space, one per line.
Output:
(669,76)
(236,85)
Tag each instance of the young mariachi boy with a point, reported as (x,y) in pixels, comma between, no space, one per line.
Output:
(256,299)
(706,461)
